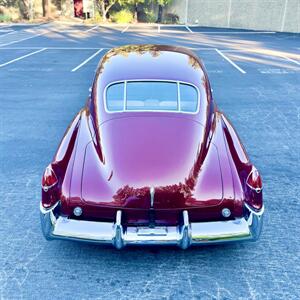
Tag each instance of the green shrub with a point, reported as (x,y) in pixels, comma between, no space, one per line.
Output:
(170,19)
(5,18)
(147,16)
(122,16)
(97,17)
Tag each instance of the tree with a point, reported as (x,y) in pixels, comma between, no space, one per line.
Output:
(135,4)
(161,5)
(104,6)
(24,9)
(46,8)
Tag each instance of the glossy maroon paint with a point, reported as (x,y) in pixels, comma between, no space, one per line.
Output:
(109,161)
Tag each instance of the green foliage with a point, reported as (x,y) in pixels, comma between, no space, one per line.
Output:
(132,2)
(104,6)
(97,17)
(5,18)
(171,19)
(147,16)
(151,17)
(139,9)
(122,16)
(163,2)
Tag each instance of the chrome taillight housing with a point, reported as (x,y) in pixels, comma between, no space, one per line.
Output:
(254,180)
(49,179)
(254,189)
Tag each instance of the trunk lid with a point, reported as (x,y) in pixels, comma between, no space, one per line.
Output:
(157,152)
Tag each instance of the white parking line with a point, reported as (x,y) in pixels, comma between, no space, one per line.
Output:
(87,60)
(230,61)
(91,48)
(5,34)
(292,60)
(188,28)
(5,26)
(51,48)
(22,57)
(236,32)
(95,27)
(125,29)
(31,37)
(25,24)
(158,28)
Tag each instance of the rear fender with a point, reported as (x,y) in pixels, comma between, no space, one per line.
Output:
(239,162)
(61,164)
(86,134)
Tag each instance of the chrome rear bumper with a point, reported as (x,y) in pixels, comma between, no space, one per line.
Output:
(55,226)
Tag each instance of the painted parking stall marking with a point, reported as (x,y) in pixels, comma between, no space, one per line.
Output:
(266,61)
(22,39)
(22,57)
(292,60)
(213,62)
(7,33)
(90,29)
(86,61)
(125,29)
(52,48)
(27,33)
(188,29)
(234,32)
(230,61)
(6,30)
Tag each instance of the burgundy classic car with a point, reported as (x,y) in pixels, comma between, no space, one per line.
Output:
(151,160)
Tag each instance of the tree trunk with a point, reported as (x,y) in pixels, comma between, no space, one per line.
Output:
(47,8)
(69,8)
(160,11)
(135,13)
(103,11)
(66,8)
(24,9)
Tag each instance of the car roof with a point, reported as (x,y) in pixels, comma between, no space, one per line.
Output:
(142,62)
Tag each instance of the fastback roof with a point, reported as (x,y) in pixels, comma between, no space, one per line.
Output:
(150,62)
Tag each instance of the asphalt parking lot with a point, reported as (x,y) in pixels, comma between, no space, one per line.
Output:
(45,74)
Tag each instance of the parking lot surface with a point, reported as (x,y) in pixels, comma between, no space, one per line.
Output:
(45,73)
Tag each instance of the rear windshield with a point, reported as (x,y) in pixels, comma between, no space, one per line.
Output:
(152,96)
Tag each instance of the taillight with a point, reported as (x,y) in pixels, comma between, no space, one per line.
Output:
(49,179)
(254,188)
(254,180)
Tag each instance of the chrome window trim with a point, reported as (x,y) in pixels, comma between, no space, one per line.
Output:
(179,98)
(124,96)
(178,82)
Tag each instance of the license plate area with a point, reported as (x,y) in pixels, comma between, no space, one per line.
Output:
(156,231)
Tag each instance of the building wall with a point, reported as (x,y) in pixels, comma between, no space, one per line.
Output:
(275,15)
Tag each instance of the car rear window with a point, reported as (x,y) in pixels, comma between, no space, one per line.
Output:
(188,98)
(115,97)
(152,96)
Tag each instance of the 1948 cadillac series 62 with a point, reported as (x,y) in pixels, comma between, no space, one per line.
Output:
(151,160)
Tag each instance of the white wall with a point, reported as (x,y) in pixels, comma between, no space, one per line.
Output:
(275,15)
